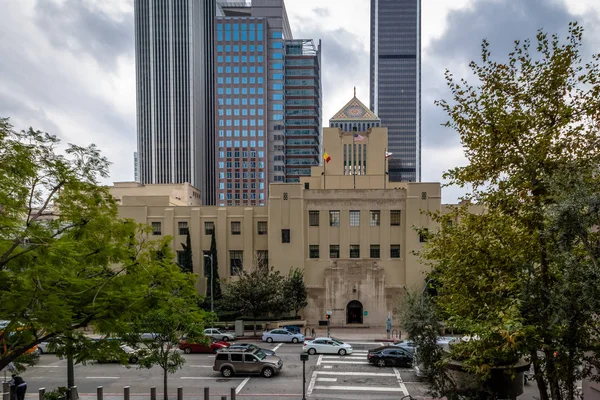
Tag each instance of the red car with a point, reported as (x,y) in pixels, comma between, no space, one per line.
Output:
(202,348)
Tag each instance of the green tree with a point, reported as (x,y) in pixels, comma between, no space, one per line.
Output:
(212,273)
(66,260)
(168,325)
(257,291)
(188,263)
(529,126)
(294,291)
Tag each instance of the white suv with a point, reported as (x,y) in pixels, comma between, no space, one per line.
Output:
(219,334)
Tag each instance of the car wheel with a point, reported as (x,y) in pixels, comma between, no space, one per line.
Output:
(226,372)
(312,352)
(269,340)
(295,340)
(267,372)
(225,338)
(40,350)
(381,363)
(342,352)
(187,350)
(133,360)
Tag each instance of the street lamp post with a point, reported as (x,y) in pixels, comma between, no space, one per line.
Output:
(212,296)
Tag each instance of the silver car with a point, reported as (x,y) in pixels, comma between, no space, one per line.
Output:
(240,361)
(219,334)
(282,335)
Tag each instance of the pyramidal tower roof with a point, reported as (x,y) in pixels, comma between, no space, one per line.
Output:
(355,110)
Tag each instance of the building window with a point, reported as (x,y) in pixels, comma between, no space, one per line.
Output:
(334,218)
(262,227)
(156,228)
(313,218)
(354,251)
(395,251)
(423,235)
(285,236)
(183,228)
(375,218)
(313,251)
(395,217)
(236,227)
(354,218)
(262,258)
(180,258)
(423,195)
(209,228)
(334,251)
(375,253)
(236,260)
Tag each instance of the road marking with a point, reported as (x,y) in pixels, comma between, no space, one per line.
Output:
(241,385)
(320,360)
(371,343)
(344,357)
(327,366)
(343,362)
(356,373)
(200,366)
(400,383)
(102,377)
(311,385)
(205,377)
(326,379)
(278,346)
(211,356)
(359,388)
(47,366)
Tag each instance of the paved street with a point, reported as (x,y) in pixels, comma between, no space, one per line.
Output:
(327,377)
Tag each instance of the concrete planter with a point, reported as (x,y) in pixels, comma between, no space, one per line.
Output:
(501,381)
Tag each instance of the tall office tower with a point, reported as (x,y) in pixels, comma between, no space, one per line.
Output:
(250,55)
(303,105)
(396,82)
(174,46)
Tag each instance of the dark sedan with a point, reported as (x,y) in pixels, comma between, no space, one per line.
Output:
(251,347)
(390,356)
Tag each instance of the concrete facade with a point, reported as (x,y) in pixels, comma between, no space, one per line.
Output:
(349,228)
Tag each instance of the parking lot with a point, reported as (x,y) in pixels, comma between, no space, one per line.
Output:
(327,377)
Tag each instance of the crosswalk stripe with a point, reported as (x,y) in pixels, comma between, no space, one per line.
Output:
(344,357)
(359,388)
(356,373)
(343,362)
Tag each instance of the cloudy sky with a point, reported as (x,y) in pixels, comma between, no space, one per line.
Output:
(67,66)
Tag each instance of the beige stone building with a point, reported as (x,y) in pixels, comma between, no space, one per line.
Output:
(347,226)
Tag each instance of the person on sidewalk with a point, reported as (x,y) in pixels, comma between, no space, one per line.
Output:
(18,387)
(313,333)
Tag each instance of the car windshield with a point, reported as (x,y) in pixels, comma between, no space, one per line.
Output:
(260,355)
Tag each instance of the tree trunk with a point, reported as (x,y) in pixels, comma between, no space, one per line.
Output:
(254,325)
(165,388)
(539,378)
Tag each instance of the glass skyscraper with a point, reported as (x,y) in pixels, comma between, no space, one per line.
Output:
(395,82)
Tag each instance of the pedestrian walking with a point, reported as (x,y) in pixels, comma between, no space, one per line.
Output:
(18,387)
(313,333)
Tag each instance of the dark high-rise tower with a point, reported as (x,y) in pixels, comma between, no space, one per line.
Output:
(174,46)
(396,82)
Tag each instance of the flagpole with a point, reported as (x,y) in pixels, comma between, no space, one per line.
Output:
(384,165)
(324,170)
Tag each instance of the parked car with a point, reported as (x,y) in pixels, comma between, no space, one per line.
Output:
(132,355)
(45,348)
(282,335)
(325,345)
(251,346)
(212,347)
(407,345)
(245,361)
(390,356)
(219,334)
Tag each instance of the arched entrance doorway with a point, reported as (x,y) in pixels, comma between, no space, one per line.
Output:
(354,312)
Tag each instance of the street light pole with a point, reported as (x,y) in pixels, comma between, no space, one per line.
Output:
(212,296)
